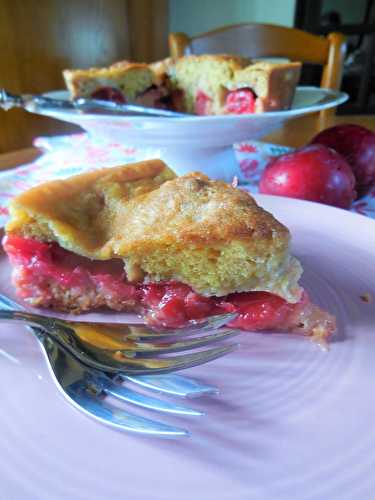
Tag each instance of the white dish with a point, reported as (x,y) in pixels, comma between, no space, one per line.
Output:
(197,142)
(291,421)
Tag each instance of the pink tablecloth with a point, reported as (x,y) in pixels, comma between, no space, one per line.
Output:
(69,155)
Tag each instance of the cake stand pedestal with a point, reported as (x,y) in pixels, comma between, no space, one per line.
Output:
(191,143)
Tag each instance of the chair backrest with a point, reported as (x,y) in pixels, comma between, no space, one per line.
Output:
(267,40)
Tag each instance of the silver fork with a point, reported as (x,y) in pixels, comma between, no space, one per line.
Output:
(133,349)
(86,388)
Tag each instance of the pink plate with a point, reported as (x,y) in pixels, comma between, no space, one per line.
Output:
(291,422)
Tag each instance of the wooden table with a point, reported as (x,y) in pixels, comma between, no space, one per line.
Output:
(295,133)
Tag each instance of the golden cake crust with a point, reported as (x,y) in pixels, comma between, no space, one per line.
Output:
(70,211)
(191,229)
(274,84)
(130,77)
(116,68)
(188,210)
(231,61)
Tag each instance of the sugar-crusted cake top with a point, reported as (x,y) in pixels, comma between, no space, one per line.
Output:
(192,229)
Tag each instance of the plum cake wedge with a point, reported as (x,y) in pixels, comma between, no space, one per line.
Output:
(138,238)
(223,84)
(123,82)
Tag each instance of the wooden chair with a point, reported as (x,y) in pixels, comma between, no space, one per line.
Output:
(267,40)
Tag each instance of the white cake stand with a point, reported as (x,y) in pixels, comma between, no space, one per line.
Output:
(196,142)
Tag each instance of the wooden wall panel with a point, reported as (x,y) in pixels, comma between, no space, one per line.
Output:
(39,38)
(149,29)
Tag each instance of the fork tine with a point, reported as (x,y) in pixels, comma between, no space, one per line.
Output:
(206,326)
(133,364)
(125,394)
(119,418)
(176,385)
(83,388)
(162,348)
(165,365)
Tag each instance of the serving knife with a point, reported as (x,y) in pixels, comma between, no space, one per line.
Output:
(43,105)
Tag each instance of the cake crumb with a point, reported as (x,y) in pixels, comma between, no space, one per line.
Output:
(319,337)
(366,297)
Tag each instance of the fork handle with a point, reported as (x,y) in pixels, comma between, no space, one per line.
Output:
(33,103)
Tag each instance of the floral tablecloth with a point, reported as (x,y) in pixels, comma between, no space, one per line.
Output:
(68,155)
